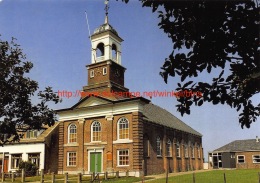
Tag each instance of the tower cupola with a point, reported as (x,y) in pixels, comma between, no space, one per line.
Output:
(105,73)
(106,43)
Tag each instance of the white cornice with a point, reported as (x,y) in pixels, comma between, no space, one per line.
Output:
(102,110)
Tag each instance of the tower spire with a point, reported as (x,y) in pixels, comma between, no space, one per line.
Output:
(106,9)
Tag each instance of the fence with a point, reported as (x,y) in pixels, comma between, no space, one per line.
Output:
(52,178)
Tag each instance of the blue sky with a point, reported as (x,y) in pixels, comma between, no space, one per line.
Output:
(54,36)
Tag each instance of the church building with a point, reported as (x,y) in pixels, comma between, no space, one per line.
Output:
(112,130)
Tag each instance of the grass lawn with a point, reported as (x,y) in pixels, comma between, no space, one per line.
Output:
(216,176)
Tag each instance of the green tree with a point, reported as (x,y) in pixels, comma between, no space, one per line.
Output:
(17,112)
(215,37)
(29,168)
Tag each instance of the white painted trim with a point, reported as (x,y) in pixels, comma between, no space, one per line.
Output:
(91,129)
(117,158)
(123,141)
(69,133)
(253,158)
(68,159)
(71,145)
(117,131)
(244,159)
(101,110)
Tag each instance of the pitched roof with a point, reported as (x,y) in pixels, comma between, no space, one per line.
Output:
(241,145)
(38,139)
(158,115)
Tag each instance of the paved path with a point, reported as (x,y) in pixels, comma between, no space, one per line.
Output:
(159,176)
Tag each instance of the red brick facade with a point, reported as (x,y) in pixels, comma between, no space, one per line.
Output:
(139,132)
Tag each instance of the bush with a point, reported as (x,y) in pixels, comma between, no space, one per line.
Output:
(29,168)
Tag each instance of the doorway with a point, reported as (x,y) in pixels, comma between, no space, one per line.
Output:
(95,161)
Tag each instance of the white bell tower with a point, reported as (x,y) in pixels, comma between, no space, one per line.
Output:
(106,43)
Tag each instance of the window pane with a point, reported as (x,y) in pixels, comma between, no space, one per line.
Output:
(123,128)
(96,131)
(72,133)
(158,146)
(123,157)
(72,159)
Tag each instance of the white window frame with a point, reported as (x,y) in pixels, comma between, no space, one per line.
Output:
(91,74)
(68,158)
(118,128)
(118,158)
(93,123)
(169,148)
(253,158)
(158,147)
(243,158)
(104,70)
(69,132)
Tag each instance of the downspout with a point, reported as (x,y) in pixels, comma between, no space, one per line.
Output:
(3,160)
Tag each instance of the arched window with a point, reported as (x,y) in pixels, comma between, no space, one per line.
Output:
(114,52)
(198,151)
(72,130)
(158,146)
(169,148)
(96,131)
(123,128)
(192,151)
(186,152)
(178,149)
(100,50)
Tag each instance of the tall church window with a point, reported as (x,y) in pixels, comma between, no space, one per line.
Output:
(96,131)
(158,146)
(72,129)
(169,148)
(192,151)
(123,128)
(178,149)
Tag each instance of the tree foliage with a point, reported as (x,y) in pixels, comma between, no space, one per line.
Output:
(29,168)
(213,36)
(17,111)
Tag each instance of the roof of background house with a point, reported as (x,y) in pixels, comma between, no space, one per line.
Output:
(40,138)
(158,115)
(240,145)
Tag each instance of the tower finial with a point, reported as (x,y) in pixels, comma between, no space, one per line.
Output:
(106,9)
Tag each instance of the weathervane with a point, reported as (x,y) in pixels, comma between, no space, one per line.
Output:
(107,7)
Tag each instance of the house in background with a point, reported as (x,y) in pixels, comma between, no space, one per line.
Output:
(38,147)
(237,154)
(109,129)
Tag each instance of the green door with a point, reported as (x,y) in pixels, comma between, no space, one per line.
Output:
(95,162)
